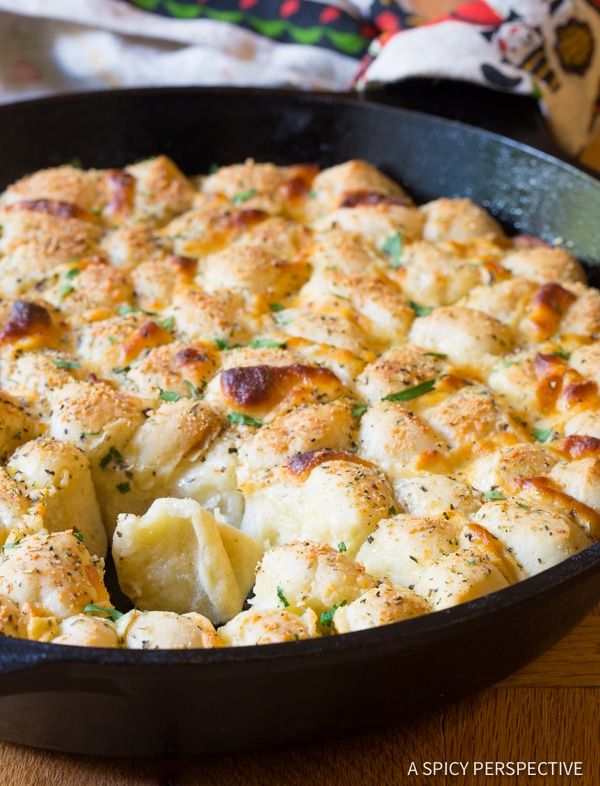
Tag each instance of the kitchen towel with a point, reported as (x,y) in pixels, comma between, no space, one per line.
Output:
(546,48)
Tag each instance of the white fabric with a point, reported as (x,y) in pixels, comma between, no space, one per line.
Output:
(56,45)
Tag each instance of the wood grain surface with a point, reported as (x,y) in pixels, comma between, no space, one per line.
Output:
(549,711)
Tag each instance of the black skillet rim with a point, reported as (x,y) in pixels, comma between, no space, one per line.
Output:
(347,644)
(353,100)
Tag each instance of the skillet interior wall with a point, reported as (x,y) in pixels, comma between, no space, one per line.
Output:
(198,127)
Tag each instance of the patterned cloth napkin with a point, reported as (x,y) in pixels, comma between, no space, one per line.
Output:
(548,48)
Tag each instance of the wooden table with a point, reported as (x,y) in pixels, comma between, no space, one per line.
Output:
(549,711)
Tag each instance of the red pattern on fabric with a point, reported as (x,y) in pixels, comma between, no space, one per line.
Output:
(289,8)
(388,22)
(476,12)
(328,15)
(246,4)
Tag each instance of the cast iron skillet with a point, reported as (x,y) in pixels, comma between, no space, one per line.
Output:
(111,702)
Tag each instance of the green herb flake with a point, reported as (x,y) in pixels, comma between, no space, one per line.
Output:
(312,195)
(522,506)
(213,168)
(76,162)
(195,391)
(244,196)
(243,420)
(65,290)
(542,434)
(221,343)
(420,311)
(168,324)
(282,599)
(275,307)
(73,273)
(112,455)
(561,353)
(392,511)
(124,488)
(125,309)
(326,617)
(67,364)
(168,395)
(393,248)
(342,547)
(493,494)
(268,343)
(408,394)
(436,355)
(359,411)
(93,608)
(85,434)
(121,369)
(509,363)
(78,534)
(12,545)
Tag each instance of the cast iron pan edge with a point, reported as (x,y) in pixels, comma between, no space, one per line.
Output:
(147,703)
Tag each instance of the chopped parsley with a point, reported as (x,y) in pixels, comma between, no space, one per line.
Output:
(542,434)
(124,488)
(73,273)
(393,248)
(112,455)
(66,290)
(342,547)
(12,545)
(312,195)
(408,394)
(493,494)
(282,599)
(437,355)
(194,389)
(168,323)
(244,196)
(243,420)
(275,307)
(213,168)
(121,369)
(67,364)
(420,311)
(326,617)
(561,353)
(268,343)
(168,395)
(75,162)
(93,608)
(522,506)
(359,410)
(392,511)
(78,534)
(222,343)
(127,309)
